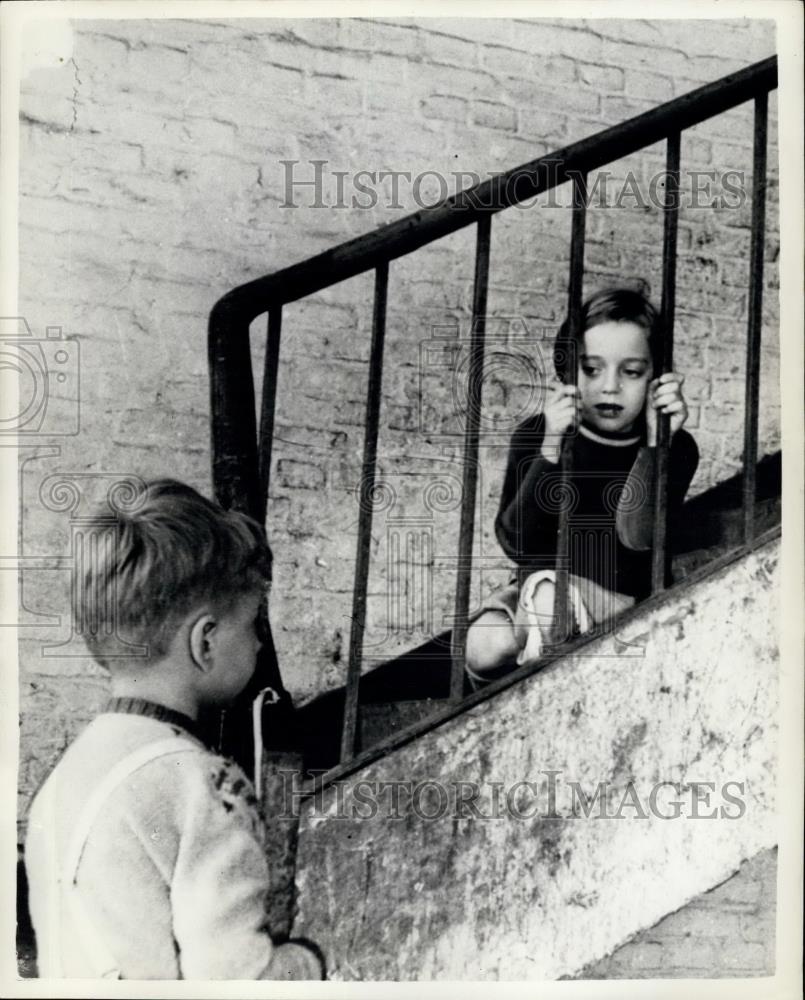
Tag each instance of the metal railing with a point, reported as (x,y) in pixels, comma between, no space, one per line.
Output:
(242,454)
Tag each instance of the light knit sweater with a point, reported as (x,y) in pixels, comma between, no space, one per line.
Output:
(173,876)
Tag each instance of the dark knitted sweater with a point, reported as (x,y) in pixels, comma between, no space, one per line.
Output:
(612,487)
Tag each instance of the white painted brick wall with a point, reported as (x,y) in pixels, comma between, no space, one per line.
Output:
(728,932)
(151,184)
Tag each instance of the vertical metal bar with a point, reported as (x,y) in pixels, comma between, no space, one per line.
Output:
(366,495)
(470,468)
(755,314)
(232,416)
(562,609)
(269,401)
(659,556)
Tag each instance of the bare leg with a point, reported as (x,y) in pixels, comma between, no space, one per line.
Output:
(491,643)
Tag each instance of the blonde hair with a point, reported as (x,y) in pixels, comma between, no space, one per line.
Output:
(173,552)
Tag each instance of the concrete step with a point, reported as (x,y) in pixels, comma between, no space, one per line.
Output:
(383,719)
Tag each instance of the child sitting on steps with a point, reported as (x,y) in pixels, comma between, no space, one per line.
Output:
(612,416)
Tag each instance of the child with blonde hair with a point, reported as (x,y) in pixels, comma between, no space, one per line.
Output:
(144,852)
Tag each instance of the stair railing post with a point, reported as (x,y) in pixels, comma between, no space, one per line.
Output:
(755,318)
(366,496)
(269,400)
(470,466)
(659,549)
(562,608)
(232,417)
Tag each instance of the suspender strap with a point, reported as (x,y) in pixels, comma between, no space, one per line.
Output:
(94,944)
(110,781)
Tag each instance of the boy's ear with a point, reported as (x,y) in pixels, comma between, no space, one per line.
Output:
(202,635)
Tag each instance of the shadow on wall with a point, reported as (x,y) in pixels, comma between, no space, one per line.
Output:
(26,943)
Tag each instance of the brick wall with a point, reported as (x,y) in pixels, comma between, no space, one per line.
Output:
(151,183)
(728,932)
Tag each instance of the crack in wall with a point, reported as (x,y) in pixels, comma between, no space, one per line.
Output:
(74,101)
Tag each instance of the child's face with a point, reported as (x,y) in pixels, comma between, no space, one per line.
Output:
(236,647)
(615,370)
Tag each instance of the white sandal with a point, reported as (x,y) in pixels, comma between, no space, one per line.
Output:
(532,650)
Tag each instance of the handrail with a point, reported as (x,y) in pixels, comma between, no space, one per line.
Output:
(463,208)
(241,461)
(234,430)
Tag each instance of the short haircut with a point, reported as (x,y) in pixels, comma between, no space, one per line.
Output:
(616,305)
(172,551)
